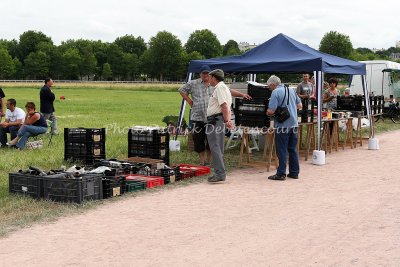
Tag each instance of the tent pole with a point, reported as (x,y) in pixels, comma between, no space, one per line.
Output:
(182,110)
(367,105)
(318,84)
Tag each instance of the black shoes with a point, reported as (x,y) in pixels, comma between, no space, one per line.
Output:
(214,179)
(277,177)
(293,176)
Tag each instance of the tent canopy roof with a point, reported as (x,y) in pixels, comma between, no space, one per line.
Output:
(281,54)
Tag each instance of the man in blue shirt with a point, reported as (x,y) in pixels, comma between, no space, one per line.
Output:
(285,132)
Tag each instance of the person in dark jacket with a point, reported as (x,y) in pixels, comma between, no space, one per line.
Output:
(47,104)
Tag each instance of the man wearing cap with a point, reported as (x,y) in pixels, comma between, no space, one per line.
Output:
(201,91)
(218,115)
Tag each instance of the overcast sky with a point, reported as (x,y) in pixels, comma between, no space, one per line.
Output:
(368,23)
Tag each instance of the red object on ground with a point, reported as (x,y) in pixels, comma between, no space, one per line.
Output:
(200,170)
(151,181)
(62,97)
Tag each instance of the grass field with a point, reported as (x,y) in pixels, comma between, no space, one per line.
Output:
(114,107)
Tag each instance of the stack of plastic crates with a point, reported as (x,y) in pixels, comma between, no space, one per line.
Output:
(87,145)
(149,142)
(251,113)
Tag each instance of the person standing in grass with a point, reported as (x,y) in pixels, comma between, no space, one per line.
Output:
(47,98)
(200,92)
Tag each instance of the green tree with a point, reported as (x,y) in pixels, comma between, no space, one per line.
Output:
(7,66)
(37,65)
(205,42)
(337,44)
(186,58)
(130,44)
(88,63)
(19,69)
(231,48)
(11,46)
(71,61)
(115,57)
(164,56)
(130,66)
(28,42)
(107,72)
(100,51)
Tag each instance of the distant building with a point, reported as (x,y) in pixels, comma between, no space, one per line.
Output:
(398,44)
(395,56)
(244,46)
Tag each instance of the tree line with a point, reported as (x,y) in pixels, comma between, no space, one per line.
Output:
(164,57)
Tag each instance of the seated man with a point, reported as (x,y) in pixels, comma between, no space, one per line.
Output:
(14,118)
(34,124)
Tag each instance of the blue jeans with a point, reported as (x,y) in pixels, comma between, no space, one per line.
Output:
(286,141)
(27,131)
(13,130)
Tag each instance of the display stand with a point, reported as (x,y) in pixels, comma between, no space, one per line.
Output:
(358,135)
(310,139)
(269,152)
(348,134)
(237,135)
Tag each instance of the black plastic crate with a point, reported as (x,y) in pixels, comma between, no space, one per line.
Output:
(254,106)
(146,136)
(25,184)
(352,103)
(135,185)
(84,135)
(92,149)
(84,188)
(258,91)
(113,186)
(251,120)
(152,151)
(168,174)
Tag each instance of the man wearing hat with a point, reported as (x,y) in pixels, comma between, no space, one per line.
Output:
(200,92)
(218,115)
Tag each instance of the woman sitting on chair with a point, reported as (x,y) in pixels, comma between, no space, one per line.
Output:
(34,124)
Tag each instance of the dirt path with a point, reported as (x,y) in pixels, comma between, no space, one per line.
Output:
(345,213)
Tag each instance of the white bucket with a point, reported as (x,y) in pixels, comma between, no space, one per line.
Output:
(373,144)
(318,157)
(174,145)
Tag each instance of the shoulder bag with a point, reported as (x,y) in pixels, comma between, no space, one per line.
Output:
(282,113)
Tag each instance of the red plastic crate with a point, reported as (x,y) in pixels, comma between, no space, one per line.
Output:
(151,181)
(200,170)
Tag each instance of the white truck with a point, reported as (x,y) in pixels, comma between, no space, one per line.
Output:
(383,78)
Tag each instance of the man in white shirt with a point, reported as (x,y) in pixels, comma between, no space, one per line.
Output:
(14,119)
(218,116)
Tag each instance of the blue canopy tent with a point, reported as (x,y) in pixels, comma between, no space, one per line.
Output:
(284,54)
